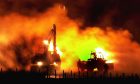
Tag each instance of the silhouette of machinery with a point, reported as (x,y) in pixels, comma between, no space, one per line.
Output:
(47,60)
(94,64)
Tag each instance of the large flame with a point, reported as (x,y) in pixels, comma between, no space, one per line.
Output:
(50,46)
(107,55)
(73,42)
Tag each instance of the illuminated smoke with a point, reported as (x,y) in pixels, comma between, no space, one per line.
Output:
(20,37)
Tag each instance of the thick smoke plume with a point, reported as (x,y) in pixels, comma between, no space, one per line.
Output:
(20,37)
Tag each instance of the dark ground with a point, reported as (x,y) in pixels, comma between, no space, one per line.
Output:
(38,77)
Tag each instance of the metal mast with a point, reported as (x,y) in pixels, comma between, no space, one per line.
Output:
(54,38)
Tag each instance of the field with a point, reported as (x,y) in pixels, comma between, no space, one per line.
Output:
(25,75)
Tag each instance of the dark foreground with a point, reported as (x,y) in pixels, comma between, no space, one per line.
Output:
(67,77)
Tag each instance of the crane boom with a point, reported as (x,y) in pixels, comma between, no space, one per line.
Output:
(48,59)
(54,38)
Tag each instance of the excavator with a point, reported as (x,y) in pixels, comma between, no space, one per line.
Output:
(47,60)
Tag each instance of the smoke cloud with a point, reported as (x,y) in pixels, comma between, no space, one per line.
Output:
(21,35)
(117,14)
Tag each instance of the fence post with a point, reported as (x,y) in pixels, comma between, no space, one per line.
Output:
(79,74)
(39,70)
(55,73)
(123,75)
(87,74)
(74,75)
(63,74)
(16,69)
(110,75)
(47,73)
(83,75)
(71,73)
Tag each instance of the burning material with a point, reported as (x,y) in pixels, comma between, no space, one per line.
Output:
(51,47)
(45,42)
(101,53)
(55,64)
(39,63)
(73,42)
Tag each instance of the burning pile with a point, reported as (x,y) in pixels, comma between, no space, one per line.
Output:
(21,36)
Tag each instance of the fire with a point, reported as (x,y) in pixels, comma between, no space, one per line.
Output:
(101,53)
(45,42)
(39,63)
(50,45)
(59,51)
(73,42)
(55,64)
(109,61)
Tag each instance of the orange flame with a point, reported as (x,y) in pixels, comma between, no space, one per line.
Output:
(45,42)
(71,40)
(101,53)
(50,45)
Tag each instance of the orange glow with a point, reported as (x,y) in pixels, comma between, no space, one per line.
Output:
(39,63)
(101,53)
(51,46)
(51,49)
(109,61)
(95,69)
(59,51)
(45,42)
(72,42)
(55,64)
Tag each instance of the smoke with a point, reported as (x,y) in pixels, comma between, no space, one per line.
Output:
(117,14)
(25,7)
(21,36)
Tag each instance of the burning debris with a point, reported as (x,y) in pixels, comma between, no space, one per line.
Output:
(21,37)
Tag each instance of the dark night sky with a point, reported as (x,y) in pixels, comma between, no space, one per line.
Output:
(116,13)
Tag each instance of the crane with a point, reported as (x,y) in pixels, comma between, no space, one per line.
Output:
(47,61)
